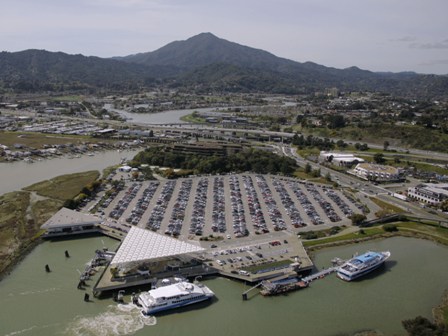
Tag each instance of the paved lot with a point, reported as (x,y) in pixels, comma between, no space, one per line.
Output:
(230,206)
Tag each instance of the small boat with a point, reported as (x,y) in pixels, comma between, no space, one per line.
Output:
(361,265)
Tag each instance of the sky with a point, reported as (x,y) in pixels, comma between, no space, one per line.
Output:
(376,35)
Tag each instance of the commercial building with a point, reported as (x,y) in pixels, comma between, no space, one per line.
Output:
(376,172)
(339,159)
(68,222)
(429,193)
(206,148)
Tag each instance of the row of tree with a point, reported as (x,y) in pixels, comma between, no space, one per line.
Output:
(253,160)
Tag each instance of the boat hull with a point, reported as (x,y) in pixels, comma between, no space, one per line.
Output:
(174,306)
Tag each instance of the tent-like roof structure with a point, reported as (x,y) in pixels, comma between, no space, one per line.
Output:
(140,244)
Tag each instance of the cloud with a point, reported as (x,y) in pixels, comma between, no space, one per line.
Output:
(404,39)
(435,62)
(434,45)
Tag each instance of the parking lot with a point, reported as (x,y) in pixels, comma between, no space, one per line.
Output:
(230,206)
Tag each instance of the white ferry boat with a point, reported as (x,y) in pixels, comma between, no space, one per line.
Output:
(173,296)
(361,265)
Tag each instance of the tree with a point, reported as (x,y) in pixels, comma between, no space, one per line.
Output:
(358,219)
(341,144)
(336,121)
(426,120)
(390,228)
(379,158)
(275,128)
(421,326)
(307,168)
(316,172)
(328,176)
(444,205)
(364,147)
(386,145)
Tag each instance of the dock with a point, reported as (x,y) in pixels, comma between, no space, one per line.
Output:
(320,275)
(106,284)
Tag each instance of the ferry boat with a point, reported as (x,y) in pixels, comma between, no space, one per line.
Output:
(173,296)
(361,265)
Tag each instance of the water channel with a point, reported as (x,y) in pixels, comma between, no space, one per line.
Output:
(33,302)
(19,174)
(165,117)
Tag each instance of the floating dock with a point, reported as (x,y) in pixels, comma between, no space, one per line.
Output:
(273,288)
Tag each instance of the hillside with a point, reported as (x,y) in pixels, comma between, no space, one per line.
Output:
(37,70)
(203,62)
(210,62)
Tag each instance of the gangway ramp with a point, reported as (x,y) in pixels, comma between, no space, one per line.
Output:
(319,275)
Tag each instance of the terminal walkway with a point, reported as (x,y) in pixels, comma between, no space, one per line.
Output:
(320,274)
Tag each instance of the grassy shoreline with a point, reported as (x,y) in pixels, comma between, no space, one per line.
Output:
(22,214)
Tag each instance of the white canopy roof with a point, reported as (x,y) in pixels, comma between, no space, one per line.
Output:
(140,244)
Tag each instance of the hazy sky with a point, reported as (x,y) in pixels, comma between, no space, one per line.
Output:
(377,35)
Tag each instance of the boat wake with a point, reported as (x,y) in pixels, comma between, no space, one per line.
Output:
(42,291)
(117,320)
(18,332)
(32,330)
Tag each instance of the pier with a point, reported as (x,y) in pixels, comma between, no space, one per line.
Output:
(319,275)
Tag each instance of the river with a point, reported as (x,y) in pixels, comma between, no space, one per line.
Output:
(165,117)
(19,174)
(33,302)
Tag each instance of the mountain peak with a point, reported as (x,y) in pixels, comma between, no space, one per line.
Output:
(205,35)
(204,49)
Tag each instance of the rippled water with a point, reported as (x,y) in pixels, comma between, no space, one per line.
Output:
(17,175)
(33,302)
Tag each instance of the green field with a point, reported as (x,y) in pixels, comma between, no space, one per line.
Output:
(37,140)
(191,118)
(386,208)
(368,232)
(433,231)
(408,228)
(64,187)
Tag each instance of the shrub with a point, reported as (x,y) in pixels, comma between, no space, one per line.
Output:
(390,228)
(358,219)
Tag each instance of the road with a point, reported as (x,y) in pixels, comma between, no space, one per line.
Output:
(364,187)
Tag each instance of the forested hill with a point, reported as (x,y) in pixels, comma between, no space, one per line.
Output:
(208,61)
(203,62)
(40,70)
